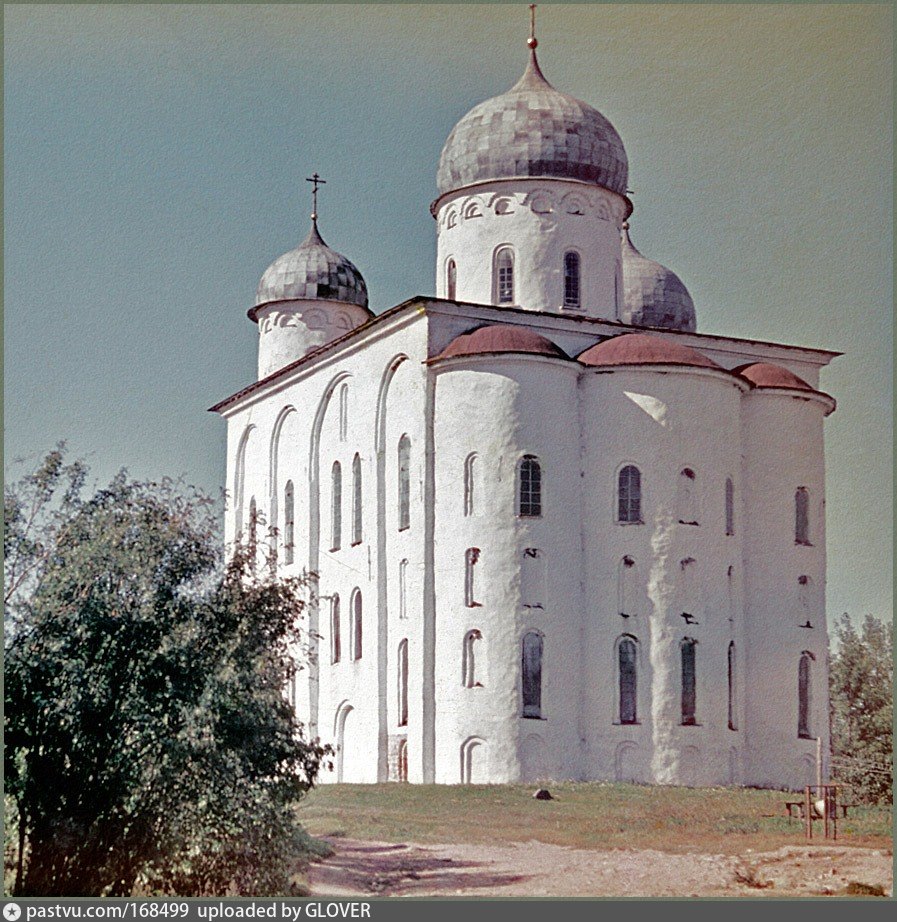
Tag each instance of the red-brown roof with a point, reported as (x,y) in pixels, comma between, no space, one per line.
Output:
(644,349)
(501,337)
(765,374)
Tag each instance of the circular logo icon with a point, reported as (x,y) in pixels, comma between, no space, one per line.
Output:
(12,911)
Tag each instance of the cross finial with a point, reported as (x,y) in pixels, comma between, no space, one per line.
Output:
(532,41)
(316,181)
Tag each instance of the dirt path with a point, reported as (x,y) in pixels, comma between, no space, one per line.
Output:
(534,869)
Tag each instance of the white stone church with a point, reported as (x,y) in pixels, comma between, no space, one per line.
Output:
(556,532)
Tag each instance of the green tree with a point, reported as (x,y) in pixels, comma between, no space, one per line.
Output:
(149,745)
(861,679)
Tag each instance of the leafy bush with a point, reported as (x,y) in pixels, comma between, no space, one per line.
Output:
(149,745)
(861,689)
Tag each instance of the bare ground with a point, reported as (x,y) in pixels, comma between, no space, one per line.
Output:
(535,869)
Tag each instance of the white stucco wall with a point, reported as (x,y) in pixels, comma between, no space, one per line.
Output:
(540,220)
(582,425)
(289,330)
(783,450)
(501,408)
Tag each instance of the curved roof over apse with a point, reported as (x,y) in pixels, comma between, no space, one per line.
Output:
(644,349)
(501,338)
(765,374)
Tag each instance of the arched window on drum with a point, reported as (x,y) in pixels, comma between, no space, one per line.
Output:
(503,276)
(572,297)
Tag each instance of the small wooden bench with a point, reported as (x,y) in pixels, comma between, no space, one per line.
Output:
(790,806)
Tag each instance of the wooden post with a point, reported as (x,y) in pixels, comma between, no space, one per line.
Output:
(808,810)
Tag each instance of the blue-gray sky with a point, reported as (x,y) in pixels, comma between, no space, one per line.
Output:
(155,159)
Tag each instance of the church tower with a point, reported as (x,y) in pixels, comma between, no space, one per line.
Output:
(307,298)
(532,195)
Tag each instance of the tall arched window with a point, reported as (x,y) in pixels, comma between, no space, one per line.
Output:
(571,279)
(504,276)
(335,639)
(402,679)
(802,516)
(629,494)
(469,659)
(404,482)
(336,506)
(451,280)
(356,625)
(686,498)
(730,506)
(626,665)
(253,545)
(289,522)
(731,670)
(403,589)
(469,483)
(356,500)
(689,682)
(531,674)
(530,486)
(471,558)
(803,695)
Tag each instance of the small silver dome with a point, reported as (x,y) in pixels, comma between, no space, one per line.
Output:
(653,296)
(314,272)
(533,131)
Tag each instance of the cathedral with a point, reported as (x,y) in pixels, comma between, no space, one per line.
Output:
(554,532)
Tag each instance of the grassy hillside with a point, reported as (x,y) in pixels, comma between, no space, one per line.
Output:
(582,815)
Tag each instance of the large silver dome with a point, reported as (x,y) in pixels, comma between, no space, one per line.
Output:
(653,296)
(533,130)
(314,272)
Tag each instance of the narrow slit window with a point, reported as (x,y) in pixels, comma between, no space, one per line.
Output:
(629,494)
(289,522)
(530,488)
(451,280)
(336,506)
(532,675)
(403,589)
(504,276)
(687,498)
(343,412)
(402,681)
(469,484)
(626,663)
(731,672)
(469,659)
(802,516)
(356,500)
(730,506)
(627,587)
(803,695)
(356,625)
(335,640)
(404,482)
(689,683)
(471,558)
(571,280)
